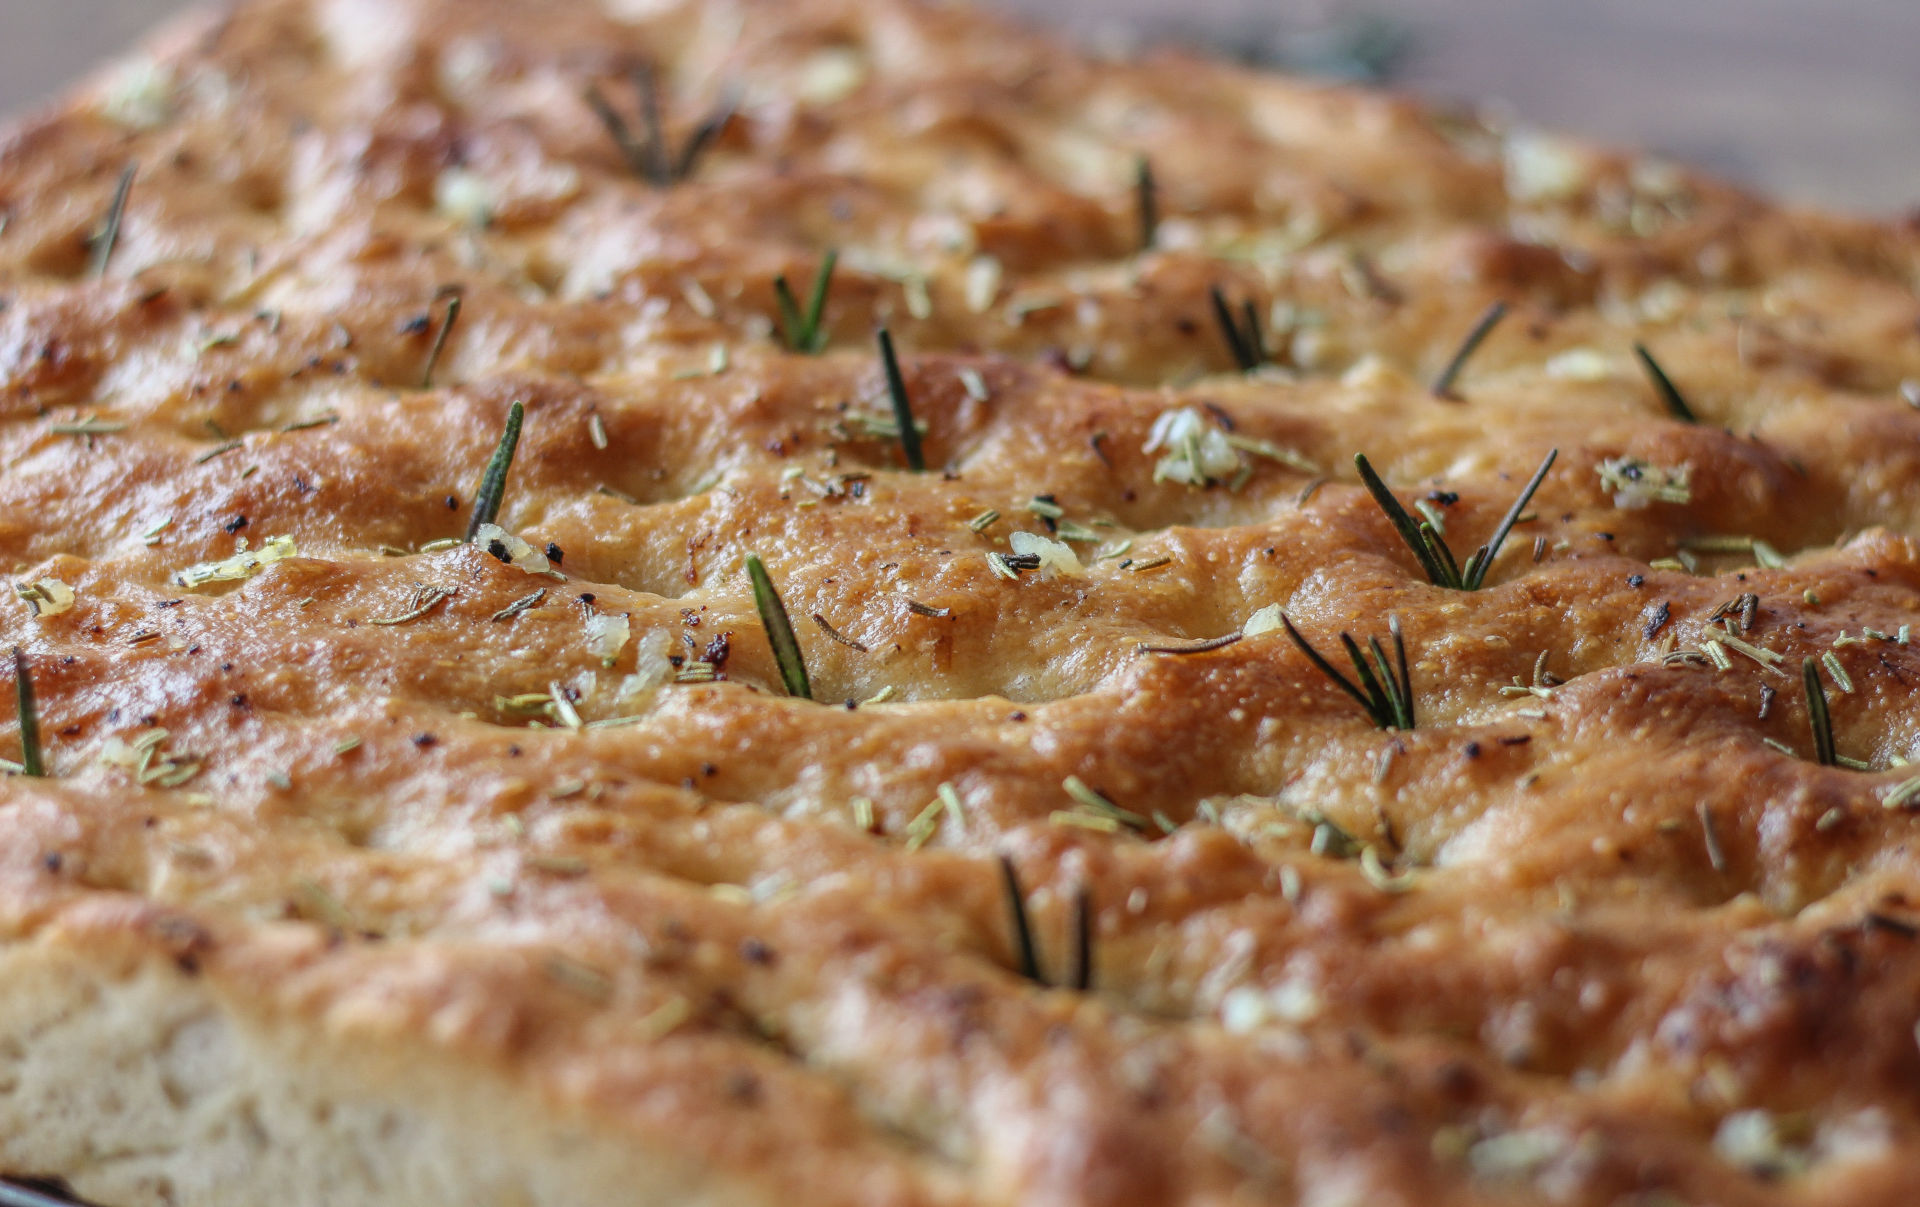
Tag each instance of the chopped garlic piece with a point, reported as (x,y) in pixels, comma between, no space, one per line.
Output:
(607,636)
(1579,364)
(139,96)
(1266,620)
(832,75)
(1056,557)
(46,597)
(1637,484)
(465,197)
(1543,168)
(242,565)
(1198,453)
(1752,1141)
(651,667)
(511,549)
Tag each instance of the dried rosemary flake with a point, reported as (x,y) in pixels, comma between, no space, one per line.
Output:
(584,979)
(1067,530)
(880,697)
(975,385)
(1085,821)
(45,597)
(597,431)
(1045,508)
(565,866)
(665,1020)
(1152,563)
(827,628)
(89,426)
(984,520)
(523,604)
(863,813)
(949,798)
(1096,803)
(1841,679)
(242,565)
(1716,855)
(219,450)
(302,425)
(1273,452)
(442,545)
(1903,795)
(1200,647)
(1372,867)
(151,536)
(1765,657)
(1782,747)
(1717,654)
(346,745)
(425,600)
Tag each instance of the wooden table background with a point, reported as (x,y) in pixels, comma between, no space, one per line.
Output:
(1813,100)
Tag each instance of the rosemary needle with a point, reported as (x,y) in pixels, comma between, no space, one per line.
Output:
(1669,393)
(440,340)
(493,484)
(109,234)
(802,329)
(1082,979)
(1430,548)
(30,760)
(1384,689)
(902,405)
(1817,715)
(773,617)
(1022,930)
(1443,384)
(1147,198)
(1246,343)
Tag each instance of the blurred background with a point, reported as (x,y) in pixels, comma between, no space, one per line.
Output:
(1816,101)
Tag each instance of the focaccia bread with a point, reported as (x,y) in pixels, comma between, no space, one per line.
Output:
(378,866)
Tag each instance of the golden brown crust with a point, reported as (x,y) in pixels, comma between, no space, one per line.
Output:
(1595,931)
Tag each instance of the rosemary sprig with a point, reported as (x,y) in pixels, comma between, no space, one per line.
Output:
(108,236)
(802,328)
(647,154)
(1022,929)
(1669,393)
(493,483)
(1817,715)
(1384,691)
(773,617)
(1146,193)
(1248,345)
(440,339)
(30,757)
(1443,384)
(902,405)
(1430,548)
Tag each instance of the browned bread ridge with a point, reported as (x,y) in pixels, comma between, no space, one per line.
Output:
(372,868)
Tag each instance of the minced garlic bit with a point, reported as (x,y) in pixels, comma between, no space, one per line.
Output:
(1198,452)
(46,596)
(1056,557)
(1753,1141)
(652,666)
(511,549)
(464,197)
(607,636)
(242,565)
(139,96)
(1637,484)
(147,760)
